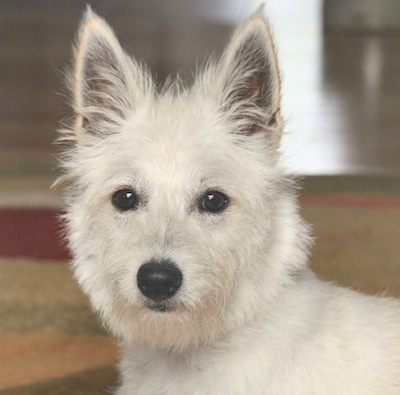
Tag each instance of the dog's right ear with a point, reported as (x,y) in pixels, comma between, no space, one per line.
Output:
(249,78)
(106,83)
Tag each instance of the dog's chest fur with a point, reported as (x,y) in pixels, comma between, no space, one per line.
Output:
(310,345)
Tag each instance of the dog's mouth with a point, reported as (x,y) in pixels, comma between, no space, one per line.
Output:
(160,307)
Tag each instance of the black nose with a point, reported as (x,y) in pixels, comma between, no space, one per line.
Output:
(159,280)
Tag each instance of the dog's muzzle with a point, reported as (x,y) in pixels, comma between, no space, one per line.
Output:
(159,280)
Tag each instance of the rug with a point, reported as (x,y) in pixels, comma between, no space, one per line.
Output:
(51,342)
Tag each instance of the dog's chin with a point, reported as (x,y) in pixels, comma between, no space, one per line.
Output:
(168,325)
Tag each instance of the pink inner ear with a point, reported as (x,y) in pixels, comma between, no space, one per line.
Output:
(251,79)
(107,83)
(101,74)
(252,85)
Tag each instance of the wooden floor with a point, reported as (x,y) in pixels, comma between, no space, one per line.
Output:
(341,90)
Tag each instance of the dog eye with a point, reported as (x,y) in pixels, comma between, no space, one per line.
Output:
(214,202)
(125,199)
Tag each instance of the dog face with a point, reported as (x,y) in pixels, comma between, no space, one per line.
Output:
(172,208)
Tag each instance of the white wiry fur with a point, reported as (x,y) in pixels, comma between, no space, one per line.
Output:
(249,318)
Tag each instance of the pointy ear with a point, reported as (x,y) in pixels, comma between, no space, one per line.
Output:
(249,78)
(106,83)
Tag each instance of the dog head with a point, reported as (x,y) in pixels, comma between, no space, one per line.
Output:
(176,202)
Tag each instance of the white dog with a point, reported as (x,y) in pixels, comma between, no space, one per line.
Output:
(186,235)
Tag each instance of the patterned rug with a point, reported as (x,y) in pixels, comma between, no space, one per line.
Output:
(51,343)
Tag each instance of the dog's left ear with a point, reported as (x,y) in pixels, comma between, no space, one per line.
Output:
(249,78)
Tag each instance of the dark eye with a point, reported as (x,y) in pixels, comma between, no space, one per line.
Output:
(214,202)
(125,200)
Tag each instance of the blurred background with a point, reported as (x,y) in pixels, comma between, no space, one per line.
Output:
(340,64)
